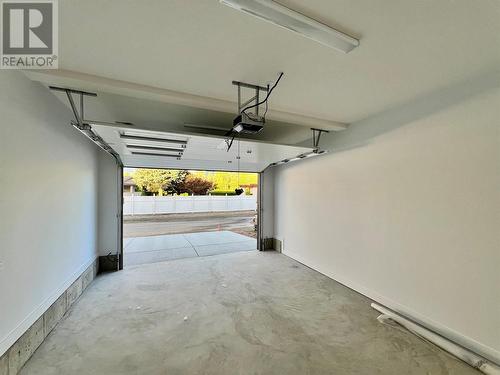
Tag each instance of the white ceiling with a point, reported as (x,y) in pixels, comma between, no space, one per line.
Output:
(408,48)
(163,63)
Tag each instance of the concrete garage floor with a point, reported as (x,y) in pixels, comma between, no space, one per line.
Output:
(141,250)
(241,313)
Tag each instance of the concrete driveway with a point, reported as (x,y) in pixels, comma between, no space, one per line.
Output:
(150,249)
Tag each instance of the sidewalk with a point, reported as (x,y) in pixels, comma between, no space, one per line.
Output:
(150,249)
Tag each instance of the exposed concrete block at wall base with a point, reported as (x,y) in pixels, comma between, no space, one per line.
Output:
(73,292)
(54,314)
(19,353)
(278,245)
(22,350)
(95,268)
(4,364)
(108,263)
(87,277)
(272,244)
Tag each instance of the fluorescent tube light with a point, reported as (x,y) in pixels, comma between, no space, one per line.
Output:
(280,15)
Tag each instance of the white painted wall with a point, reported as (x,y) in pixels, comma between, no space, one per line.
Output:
(267,201)
(408,215)
(48,205)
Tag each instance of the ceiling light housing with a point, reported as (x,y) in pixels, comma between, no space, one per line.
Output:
(282,16)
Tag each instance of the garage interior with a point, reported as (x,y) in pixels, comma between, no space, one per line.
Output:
(374,127)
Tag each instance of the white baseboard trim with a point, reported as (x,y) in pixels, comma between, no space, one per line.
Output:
(441,329)
(28,321)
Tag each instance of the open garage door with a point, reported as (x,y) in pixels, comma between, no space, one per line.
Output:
(152,149)
(139,148)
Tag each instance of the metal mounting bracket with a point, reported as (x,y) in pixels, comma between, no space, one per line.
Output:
(316,136)
(79,116)
(84,126)
(257,89)
(241,106)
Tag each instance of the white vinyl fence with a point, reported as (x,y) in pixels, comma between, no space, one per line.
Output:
(139,205)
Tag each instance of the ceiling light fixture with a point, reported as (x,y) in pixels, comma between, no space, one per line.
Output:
(280,15)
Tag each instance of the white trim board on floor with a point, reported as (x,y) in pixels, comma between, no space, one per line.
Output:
(465,341)
(32,317)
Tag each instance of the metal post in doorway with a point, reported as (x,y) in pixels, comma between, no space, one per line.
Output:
(120,217)
(260,216)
